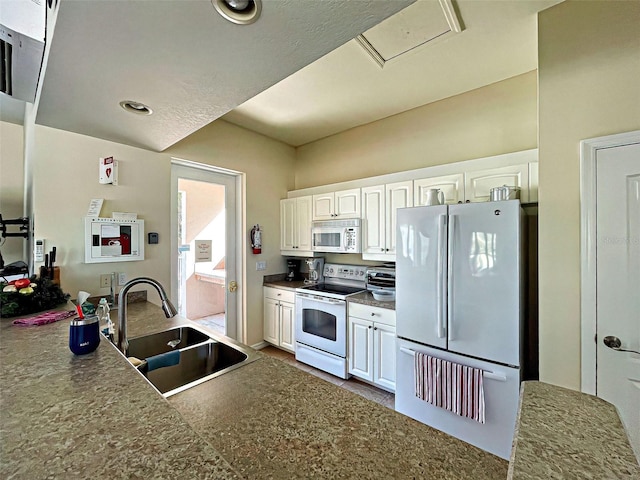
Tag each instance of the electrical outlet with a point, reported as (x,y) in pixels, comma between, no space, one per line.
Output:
(122,278)
(105,280)
(261,265)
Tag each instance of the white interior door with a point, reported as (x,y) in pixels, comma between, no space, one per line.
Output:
(198,283)
(618,280)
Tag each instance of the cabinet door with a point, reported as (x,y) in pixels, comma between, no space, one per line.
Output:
(384,354)
(373,216)
(303,227)
(477,185)
(323,206)
(288,224)
(347,203)
(361,348)
(271,321)
(452,187)
(398,195)
(287,327)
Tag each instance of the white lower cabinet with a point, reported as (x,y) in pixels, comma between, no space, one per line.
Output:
(279,318)
(372,344)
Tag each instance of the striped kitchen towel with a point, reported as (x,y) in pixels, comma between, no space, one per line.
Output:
(449,385)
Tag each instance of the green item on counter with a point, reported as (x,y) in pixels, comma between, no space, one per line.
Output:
(88,308)
(42,295)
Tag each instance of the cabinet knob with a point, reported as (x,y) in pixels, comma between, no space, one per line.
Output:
(375,328)
(369,326)
(373,314)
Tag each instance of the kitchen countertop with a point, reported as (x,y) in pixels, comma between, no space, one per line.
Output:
(90,416)
(564,434)
(366,298)
(95,417)
(284,284)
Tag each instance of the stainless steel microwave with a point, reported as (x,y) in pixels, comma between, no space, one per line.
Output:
(336,236)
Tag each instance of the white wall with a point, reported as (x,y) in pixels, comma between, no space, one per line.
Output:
(589,82)
(499,118)
(66,179)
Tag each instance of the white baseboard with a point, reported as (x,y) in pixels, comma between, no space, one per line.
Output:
(260,345)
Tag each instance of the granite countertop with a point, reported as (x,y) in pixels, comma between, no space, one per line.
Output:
(284,284)
(564,434)
(95,416)
(366,298)
(90,416)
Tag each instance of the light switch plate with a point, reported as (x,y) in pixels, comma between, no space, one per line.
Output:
(122,278)
(261,265)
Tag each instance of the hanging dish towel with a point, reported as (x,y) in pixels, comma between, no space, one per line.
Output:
(454,387)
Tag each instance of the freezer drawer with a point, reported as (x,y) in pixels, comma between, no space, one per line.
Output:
(501,394)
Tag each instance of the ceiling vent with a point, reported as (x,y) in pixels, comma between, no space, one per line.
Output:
(420,23)
(22,34)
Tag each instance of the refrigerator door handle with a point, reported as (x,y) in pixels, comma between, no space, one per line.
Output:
(441,278)
(451,230)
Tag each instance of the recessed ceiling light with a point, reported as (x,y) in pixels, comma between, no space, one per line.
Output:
(136,107)
(241,12)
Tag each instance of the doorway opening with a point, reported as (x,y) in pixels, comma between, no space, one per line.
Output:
(204,231)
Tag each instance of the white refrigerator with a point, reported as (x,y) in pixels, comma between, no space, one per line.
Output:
(459,298)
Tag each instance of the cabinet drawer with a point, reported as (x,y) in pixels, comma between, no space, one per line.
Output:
(279,294)
(373,314)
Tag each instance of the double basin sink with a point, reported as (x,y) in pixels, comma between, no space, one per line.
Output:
(185,356)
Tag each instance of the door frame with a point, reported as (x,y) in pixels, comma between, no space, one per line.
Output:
(588,253)
(241,241)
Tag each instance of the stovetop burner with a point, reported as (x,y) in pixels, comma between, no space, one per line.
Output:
(336,289)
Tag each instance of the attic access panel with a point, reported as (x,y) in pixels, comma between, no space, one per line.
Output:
(416,25)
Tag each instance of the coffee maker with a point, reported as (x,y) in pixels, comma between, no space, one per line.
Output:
(293,269)
(315,268)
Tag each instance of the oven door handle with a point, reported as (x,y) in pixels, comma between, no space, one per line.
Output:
(316,298)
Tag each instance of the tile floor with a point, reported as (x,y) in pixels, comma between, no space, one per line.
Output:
(352,384)
(214,322)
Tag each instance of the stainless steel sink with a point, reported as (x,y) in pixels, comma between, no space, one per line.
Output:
(166,341)
(202,357)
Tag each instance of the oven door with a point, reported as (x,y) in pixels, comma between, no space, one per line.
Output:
(321,322)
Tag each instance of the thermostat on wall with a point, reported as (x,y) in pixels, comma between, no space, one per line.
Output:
(153,238)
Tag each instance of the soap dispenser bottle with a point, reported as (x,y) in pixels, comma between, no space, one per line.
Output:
(105,319)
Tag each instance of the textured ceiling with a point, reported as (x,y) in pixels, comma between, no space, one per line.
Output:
(183,60)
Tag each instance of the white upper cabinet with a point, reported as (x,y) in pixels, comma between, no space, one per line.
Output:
(374,225)
(295,226)
(398,195)
(379,205)
(452,186)
(478,184)
(337,205)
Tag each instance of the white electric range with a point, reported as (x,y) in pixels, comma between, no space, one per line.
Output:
(321,318)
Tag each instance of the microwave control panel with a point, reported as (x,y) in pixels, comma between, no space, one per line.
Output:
(351,239)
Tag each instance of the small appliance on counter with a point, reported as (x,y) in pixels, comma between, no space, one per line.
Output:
(381,278)
(315,266)
(293,270)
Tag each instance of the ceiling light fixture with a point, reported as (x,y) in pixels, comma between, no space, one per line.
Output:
(136,107)
(241,12)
